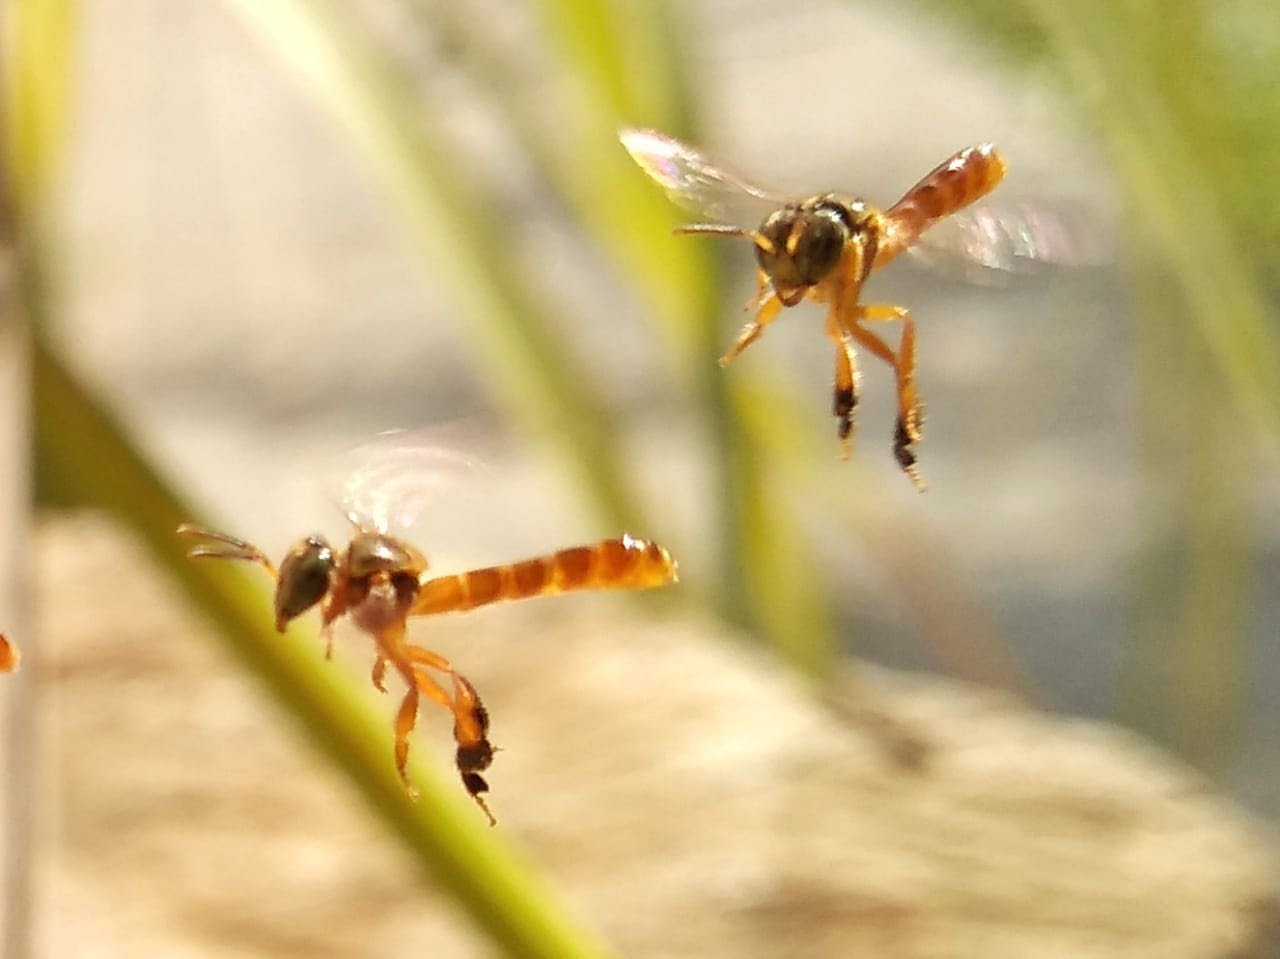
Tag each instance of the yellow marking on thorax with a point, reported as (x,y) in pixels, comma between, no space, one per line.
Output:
(793,237)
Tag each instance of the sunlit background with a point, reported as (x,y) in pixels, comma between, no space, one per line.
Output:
(257,234)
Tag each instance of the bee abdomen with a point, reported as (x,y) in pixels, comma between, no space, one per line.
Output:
(968,176)
(624,563)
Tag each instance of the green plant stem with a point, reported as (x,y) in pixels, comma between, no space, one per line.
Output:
(83,456)
(626,64)
(621,64)
(631,68)
(620,71)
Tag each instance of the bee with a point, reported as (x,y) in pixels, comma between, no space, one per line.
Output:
(823,248)
(9,655)
(380,582)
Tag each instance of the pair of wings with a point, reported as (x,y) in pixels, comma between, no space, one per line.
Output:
(989,237)
(389,483)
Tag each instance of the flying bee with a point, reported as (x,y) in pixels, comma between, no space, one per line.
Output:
(380,581)
(823,248)
(9,655)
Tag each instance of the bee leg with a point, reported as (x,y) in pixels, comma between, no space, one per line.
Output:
(331,607)
(419,684)
(470,723)
(844,400)
(406,719)
(475,752)
(379,673)
(392,649)
(909,427)
(764,289)
(769,307)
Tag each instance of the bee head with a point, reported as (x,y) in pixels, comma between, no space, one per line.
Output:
(799,245)
(306,573)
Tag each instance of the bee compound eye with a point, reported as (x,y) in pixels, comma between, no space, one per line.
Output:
(773,232)
(305,575)
(819,248)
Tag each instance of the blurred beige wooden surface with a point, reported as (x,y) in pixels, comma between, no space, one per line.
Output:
(684,796)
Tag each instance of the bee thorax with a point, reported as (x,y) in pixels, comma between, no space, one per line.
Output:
(798,246)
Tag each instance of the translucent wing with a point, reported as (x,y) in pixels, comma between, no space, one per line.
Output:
(994,238)
(391,481)
(692,180)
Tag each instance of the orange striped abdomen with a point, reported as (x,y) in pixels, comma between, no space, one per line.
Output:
(624,563)
(951,186)
(969,175)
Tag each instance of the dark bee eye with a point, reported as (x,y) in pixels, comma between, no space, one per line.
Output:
(800,248)
(304,579)
(819,247)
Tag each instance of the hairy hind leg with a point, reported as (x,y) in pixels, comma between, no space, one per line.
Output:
(910,423)
(470,722)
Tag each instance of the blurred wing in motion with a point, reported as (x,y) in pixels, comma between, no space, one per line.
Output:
(9,655)
(391,481)
(988,242)
(695,182)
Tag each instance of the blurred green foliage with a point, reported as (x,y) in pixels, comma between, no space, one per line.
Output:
(1184,97)
(1209,68)
(1162,82)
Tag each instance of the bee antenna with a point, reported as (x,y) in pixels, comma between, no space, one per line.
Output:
(718,229)
(722,229)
